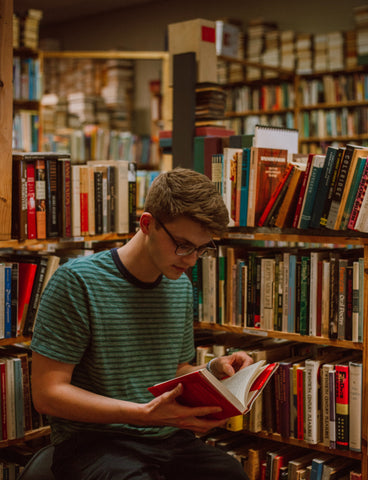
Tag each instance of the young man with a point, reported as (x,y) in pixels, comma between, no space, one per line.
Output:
(112,324)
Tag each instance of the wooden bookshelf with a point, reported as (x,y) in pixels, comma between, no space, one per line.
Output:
(245,238)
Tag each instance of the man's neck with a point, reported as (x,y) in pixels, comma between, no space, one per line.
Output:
(136,260)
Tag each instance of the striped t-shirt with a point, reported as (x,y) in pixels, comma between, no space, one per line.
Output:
(123,335)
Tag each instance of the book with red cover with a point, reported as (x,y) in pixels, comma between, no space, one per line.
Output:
(27,273)
(31,201)
(267,167)
(342,406)
(235,394)
(40,190)
(276,196)
(4,429)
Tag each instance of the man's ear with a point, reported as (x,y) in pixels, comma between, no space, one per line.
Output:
(145,221)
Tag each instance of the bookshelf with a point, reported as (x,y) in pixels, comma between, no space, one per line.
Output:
(276,239)
(162,95)
(327,107)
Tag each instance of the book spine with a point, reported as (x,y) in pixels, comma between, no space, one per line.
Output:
(98,202)
(342,406)
(51,198)
(341,309)
(326,207)
(40,190)
(322,192)
(132,195)
(31,201)
(8,304)
(300,402)
(312,411)
(325,404)
(355,406)
(14,298)
(332,406)
(339,186)
(358,198)
(299,205)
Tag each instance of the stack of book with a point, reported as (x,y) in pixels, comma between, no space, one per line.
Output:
(210,103)
(361,22)
(287,49)
(335,50)
(271,53)
(29,32)
(304,56)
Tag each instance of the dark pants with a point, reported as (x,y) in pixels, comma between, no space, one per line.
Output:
(91,456)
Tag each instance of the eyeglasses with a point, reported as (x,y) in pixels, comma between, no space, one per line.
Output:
(184,250)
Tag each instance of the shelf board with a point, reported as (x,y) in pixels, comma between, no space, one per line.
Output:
(320,236)
(30,435)
(329,106)
(248,113)
(37,244)
(299,443)
(277,334)
(338,138)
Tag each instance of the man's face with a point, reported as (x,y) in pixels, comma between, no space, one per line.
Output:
(183,232)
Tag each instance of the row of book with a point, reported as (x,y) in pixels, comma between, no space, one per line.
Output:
(267,460)
(26,129)
(334,89)
(305,291)
(315,396)
(54,198)
(334,122)
(267,97)
(17,411)
(93,142)
(267,187)
(26,78)
(23,276)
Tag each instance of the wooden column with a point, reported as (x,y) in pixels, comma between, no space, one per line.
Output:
(6,115)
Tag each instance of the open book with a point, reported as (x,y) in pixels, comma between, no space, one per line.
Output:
(235,394)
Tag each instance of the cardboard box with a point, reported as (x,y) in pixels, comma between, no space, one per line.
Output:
(198,36)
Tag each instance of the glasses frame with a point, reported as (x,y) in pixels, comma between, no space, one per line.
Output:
(206,248)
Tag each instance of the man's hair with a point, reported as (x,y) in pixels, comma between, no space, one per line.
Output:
(184,192)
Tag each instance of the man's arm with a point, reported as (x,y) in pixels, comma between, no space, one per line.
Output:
(53,394)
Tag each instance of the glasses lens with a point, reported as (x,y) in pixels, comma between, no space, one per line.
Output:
(183,250)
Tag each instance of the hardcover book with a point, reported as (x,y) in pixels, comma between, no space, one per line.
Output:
(235,394)
(267,167)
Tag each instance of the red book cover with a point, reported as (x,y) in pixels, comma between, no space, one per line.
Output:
(235,394)
(267,168)
(27,272)
(358,198)
(4,429)
(40,188)
(275,194)
(31,201)
(300,402)
(342,406)
(84,182)
(303,187)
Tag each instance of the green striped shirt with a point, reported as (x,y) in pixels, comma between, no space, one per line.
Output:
(123,335)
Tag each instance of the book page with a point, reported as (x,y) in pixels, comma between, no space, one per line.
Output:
(239,384)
